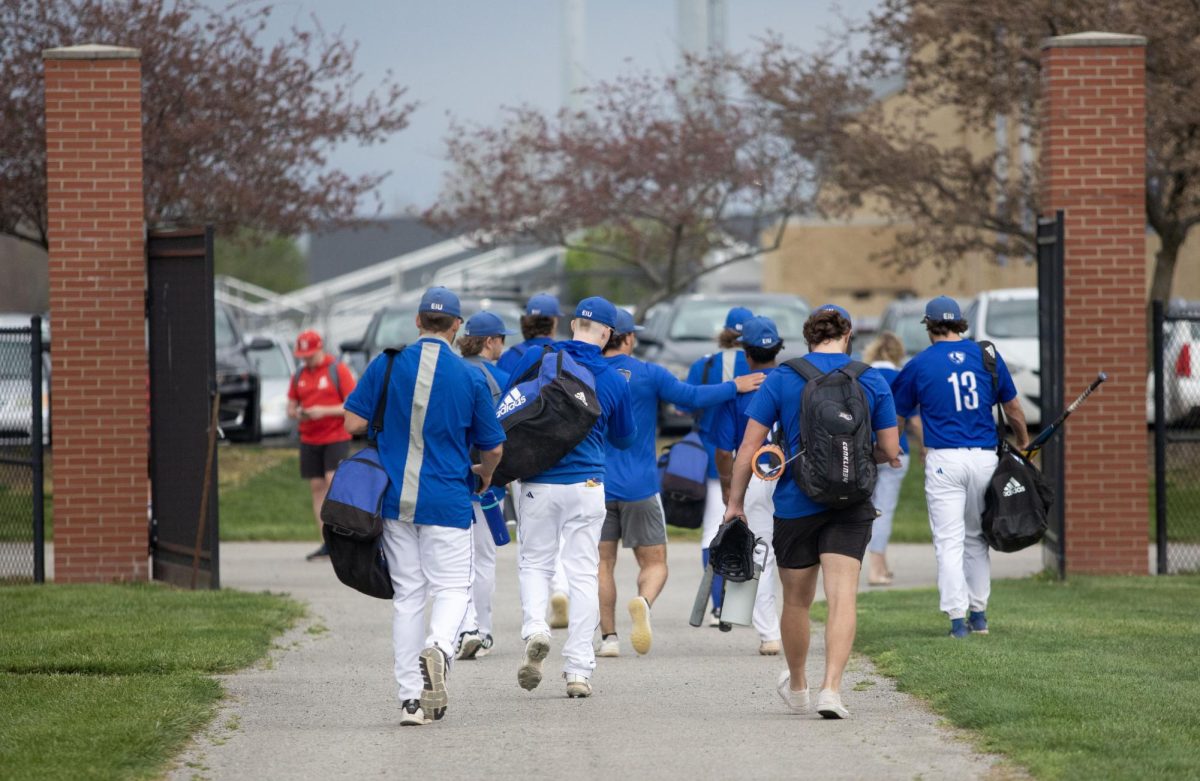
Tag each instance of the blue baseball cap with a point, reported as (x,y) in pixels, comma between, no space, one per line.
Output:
(598,310)
(840,310)
(543,304)
(759,332)
(486,324)
(626,324)
(441,301)
(736,317)
(942,309)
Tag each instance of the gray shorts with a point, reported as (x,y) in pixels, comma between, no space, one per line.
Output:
(635,524)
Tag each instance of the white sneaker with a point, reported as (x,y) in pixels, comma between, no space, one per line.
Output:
(434,697)
(578,685)
(530,673)
(829,705)
(769,648)
(609,647)
(559,610)
(797,701)
(413,715)
(641,636)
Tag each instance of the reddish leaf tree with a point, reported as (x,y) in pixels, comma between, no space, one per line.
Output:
(235,134)
(650,173)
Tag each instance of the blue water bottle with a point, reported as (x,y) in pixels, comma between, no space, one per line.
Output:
(490,503)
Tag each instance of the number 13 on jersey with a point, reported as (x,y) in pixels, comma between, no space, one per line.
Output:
(966,394)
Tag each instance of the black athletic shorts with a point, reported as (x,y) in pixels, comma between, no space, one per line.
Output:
(799,542)
(316,460)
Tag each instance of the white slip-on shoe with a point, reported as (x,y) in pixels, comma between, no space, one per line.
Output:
(829,705)
(609,647)
(434,697)
(560,606)
(530,673)
(769,648)
(577,685)
(797,701)
(641,637)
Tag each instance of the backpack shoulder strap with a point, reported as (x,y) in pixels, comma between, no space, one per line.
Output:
(804,368)
(707,368)
(855,369)
(381,405)
(989,363)
(296,379)
(336,378)
(532,371)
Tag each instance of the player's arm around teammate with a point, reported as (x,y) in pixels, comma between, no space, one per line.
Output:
(438,408)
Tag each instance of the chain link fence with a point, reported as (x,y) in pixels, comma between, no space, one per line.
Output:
(1174,408)
(24,430)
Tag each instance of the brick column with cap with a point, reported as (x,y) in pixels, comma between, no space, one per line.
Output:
(1093,160)
(96,224)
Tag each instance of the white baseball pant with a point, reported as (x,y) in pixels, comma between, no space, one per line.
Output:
(572,515)
(885,499)
(760,516)
(714,512)
(432,562)
(479,607)
(955,482)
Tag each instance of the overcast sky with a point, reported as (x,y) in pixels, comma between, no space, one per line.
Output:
(467,58)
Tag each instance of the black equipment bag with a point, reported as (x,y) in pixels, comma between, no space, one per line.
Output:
(1017,500)
(836,466)
(352,513)
(545,415)
(683,479)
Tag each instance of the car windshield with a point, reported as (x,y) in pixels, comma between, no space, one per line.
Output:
(1015,318)
(226,335)
(703,320)
(398,325)
(271,364)
(912,333)
(14,360)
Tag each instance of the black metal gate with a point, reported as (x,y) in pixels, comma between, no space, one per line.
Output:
(1050,335)
(1176,382)
(183,538)
(24,401)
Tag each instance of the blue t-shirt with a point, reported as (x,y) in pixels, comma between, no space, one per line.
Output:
(430,469)
(890,373)
(778,401)
(729,420)
(713,365)
(949,385)
(633,473)
(513,355)
(616,423)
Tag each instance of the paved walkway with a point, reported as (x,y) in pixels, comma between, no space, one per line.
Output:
(701,705)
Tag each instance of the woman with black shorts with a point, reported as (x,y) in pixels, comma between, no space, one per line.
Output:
(808,534)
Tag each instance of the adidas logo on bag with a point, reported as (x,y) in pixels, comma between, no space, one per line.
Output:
(513,400)
(1012,488)
(582,398)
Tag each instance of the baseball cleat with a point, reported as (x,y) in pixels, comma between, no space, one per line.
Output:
(641,637)
(609,647)
(469,645)
(413,715)
(829,705)
(977,622)
(797,701)
(559,610)
(530,673)
(433,694)
(769,648)
(958,628)
(577,685)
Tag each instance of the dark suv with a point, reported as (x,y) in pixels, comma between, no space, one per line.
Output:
(685,328)
(237,379)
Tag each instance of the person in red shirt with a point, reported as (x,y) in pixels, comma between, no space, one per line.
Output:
(315,398)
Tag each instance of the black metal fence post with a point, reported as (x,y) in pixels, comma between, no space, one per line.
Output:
(1160,438)
(35,450)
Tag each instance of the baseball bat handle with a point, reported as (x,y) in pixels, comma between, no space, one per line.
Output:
(1050,430)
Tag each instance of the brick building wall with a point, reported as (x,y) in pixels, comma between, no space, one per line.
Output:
(1093,160)
(97,294)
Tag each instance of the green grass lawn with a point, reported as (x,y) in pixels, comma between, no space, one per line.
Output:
(272,503)
(110,681)
(1091,678)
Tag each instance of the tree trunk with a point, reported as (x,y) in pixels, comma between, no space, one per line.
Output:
(1164,270)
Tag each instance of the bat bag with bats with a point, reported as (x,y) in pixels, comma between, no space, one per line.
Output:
(1018,498)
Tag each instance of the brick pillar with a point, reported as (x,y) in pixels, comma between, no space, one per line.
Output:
(97,294)
(1093,161)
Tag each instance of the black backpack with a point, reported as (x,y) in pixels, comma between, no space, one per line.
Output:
(1017,501)
(836,466)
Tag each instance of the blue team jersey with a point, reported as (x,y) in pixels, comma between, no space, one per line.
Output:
(430,468)
(632,473)
(501,378)
(949,386)
(711,369)
(778,401)
(729,419)
(513,355)
(616,423)
(890,373)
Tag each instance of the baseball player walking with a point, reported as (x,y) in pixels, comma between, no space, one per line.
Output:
(635,513)
(566,503)
(951,388)
(424,446)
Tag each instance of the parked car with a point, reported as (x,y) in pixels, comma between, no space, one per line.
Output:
(395,326)
(1181,367)
(903,318)
(237,379)
(276,367)
(16,400)
(684,329)
(1009,319)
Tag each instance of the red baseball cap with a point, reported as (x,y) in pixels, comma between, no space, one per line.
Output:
(308,343)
